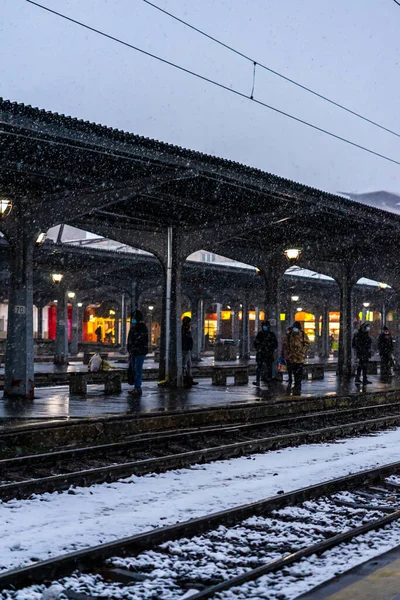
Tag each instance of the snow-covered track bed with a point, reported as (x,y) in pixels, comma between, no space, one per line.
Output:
(56,471)
(225,550)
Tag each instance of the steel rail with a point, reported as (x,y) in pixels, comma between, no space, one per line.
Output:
(281,563)
(151,440)
(90,557)
(84,478)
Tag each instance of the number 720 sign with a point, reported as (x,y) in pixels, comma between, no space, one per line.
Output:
(19,310)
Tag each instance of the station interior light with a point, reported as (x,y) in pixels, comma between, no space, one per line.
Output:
(79,304)
(151,307)
(295,298)
(299,309)
(71,295)
(112,312)
(366,304)
(292,253)
(57,277)
(40,239)
(5,206)
(382,286)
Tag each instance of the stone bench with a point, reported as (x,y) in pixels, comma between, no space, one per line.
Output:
(240,375)
(88,355)
(317,371)
(112,381)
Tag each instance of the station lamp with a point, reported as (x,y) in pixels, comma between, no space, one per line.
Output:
(292,253)
(112,312)
(295,298)
(79,304)
(382,286)
(299,309)
(5,207)
(151,307)
(71,295)
(57,277)
(366,304)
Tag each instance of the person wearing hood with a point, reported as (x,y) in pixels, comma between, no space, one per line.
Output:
(385,347)
(362,346)
(295,348)
(265,345)
(138,347)
(187,347)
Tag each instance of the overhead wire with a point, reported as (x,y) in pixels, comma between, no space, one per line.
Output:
(273,71)
(216,83)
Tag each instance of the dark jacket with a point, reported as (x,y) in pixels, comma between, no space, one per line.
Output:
(187,339)
(265,345)
(362,344)
(138,340)
(385,344)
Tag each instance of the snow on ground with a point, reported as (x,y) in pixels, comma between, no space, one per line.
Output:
(53,524)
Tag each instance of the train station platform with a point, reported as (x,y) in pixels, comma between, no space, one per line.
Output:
(56,402)
(376,579)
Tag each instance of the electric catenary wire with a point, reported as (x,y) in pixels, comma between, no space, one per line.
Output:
(270,70)
(217,84)
(398,3)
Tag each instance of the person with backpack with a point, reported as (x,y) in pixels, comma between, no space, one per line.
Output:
(138,347)
(295,347)
(362,345)
(265,345)
(385,347)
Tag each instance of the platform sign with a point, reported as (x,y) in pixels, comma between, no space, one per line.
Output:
(19,310)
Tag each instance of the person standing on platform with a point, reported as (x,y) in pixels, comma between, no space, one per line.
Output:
(385,347)
(362,345)
(98,334)
(295,346)
(265,345)
(187,347)
(138,347)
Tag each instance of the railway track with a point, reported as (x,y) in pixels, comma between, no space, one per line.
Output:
(23,476)
(252,548)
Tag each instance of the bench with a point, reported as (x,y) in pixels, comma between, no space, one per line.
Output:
(240,374)
(112,381)
(88,355)
(317,371)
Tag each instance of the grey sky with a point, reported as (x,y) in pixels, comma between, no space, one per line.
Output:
(348,50)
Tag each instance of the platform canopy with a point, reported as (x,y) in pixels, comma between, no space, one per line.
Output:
(62,170)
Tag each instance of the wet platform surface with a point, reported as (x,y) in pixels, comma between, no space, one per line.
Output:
(57,403)
(376,579)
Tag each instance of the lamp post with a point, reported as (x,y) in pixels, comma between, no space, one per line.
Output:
(292,299)
(383,287)
(364,312)
(151,308)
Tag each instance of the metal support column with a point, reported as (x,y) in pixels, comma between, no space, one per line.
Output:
(61,342)
(173,341)
(19,377)
(244,353)
(325,333)
(40,321)
(123,323)
(75,327)
(346,323)
(218,310)
(196,328)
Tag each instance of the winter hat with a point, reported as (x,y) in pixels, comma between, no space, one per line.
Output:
(297,324)
(266,323)
(386,328)
(138,315)
(186,320)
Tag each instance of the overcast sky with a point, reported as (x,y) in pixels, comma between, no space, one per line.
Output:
(348,50)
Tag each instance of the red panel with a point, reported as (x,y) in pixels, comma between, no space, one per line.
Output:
(52,322)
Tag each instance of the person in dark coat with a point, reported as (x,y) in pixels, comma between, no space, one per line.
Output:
(265,345)
(362,345)
(138,347)
(385,348)
(187,347)
(98,332)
